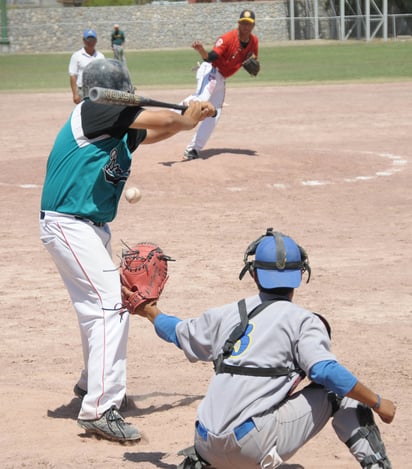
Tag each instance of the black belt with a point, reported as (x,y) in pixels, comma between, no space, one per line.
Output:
(87,220)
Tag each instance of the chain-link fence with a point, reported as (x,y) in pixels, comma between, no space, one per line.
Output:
(353,27)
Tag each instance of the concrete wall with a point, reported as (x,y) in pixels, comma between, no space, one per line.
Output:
(151,26)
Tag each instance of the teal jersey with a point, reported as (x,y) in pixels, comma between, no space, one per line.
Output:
(90,162)
(118,38)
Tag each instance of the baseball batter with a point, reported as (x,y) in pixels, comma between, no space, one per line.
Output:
(86,172)
(223,61)
(261,348)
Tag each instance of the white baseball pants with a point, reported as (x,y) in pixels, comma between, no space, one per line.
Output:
(82,254)
(211,86)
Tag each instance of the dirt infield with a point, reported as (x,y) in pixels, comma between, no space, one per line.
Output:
(329,165)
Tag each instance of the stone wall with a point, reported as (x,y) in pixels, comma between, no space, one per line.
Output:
(151,26)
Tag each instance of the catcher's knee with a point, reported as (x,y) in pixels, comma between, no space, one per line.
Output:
(369,431)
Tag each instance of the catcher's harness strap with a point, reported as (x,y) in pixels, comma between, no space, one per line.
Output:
(236,334)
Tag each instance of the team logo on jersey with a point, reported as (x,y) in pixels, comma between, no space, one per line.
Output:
(243,344)
(113,172)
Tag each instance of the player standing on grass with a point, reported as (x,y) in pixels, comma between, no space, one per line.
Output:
(223,61)
(87,169)
(117,40)
(79,61)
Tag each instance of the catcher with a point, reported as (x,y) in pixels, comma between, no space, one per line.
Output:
(231,51)
(262,347)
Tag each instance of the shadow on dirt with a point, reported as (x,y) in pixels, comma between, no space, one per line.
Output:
(66,411)
(72,409)
(211,152)
(156,459)
(181,401)
(153,457)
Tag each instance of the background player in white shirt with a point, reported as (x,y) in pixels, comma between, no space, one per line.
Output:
(79,61)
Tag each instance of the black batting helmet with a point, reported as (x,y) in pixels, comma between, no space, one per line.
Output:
(106,73)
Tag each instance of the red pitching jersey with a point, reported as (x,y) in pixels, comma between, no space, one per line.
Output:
(231,53)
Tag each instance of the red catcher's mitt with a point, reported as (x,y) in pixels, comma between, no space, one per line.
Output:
(143,270)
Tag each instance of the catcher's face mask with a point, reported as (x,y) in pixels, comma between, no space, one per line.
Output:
(279,261)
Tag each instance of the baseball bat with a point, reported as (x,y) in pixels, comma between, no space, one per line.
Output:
(123,98)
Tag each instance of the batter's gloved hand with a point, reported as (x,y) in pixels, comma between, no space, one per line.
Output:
(252,65)
(143,271)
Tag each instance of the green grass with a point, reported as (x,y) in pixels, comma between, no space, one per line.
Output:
(281,64)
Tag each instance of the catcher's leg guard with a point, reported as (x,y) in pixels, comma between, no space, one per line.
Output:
(192,459)
(369,431)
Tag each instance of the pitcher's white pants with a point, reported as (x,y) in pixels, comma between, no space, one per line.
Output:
(211,86)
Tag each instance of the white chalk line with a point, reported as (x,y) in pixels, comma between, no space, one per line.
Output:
(398,164)
(21,186)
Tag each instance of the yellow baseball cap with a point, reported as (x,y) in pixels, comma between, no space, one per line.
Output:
(247,15)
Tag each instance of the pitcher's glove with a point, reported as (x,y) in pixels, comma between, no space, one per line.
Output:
(252,66)
(143,271)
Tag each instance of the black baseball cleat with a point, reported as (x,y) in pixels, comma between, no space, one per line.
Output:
(111,425)
(191,154)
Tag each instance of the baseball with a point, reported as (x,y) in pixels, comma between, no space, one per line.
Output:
(133,195)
